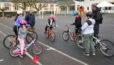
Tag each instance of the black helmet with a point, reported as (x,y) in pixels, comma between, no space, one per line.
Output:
(94,5)
(90,14)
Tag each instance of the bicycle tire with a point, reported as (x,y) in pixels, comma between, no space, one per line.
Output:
(7,44)
(29,38)
(47,35)
(107,47)
(65,33)
(79,42)
(32,35)
(37,51)
(11,52)
(52,38)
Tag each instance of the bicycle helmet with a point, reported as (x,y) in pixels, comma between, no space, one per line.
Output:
(23,22)
(90,14)
(19,12)
(51,16)
(75,13)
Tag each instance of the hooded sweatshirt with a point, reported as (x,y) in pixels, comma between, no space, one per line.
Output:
(88,27)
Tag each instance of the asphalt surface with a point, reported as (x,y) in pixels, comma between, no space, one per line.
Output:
(70,53)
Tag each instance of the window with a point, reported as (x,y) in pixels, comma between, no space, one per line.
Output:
(87,8)
(110,8)
(16,7)
(72,8)
(106,8)
(7,6)
(62,8)
(51,5)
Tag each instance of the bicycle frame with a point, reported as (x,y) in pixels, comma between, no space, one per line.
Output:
(32,43)
(97,41)
(72,34)
(50,32)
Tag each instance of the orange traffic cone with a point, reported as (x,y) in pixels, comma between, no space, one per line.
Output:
(35,58)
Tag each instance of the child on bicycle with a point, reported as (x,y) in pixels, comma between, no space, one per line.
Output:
(51,23)
(21,35)
(77,22)
(88,31)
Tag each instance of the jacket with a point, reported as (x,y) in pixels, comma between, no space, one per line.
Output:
(17,22)
(97,16)
(88,27)
(30,18)
(77,22)
(22,33)
(51,23)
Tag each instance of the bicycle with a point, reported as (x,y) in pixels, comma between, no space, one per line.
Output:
(36,49)
(50,34)
(11,40)
(77,38)
(105,46)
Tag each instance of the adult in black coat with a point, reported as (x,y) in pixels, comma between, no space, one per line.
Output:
(98,18)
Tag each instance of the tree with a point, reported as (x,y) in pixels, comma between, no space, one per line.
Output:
(3,10)
(36,4)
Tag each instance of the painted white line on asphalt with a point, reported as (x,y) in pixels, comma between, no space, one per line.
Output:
(51,48)
(6,26)
(25,53)
(75,59)
(1,60)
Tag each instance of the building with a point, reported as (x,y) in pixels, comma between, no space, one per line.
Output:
(58,7)
(87,3)
(52,6)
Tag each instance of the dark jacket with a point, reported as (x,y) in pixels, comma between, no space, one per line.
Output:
(30,18)
(77,22)
(53,22)
(97,16)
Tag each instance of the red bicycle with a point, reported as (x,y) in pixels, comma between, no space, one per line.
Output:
(77,38)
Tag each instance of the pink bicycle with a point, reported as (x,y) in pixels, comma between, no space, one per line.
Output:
(36,49)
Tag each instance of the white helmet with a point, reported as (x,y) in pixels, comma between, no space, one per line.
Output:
(19,12)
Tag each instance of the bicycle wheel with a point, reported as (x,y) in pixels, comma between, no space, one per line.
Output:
(47,35)
(107,47)
(66,35)
(79,42)
(11,52)
(52,38)
(10,41)
(29,38)
(37,51)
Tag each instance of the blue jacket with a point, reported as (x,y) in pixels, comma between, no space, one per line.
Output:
(30,18)
(17,22)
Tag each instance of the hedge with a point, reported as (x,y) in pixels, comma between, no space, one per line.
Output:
(14,13)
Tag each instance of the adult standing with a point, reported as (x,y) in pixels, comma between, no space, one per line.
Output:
(30,18)
(98,18)
(18,18)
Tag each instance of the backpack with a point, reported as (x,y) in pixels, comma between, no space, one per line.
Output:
(101,18)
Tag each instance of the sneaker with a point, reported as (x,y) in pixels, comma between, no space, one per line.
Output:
(93,54)
(87,54)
